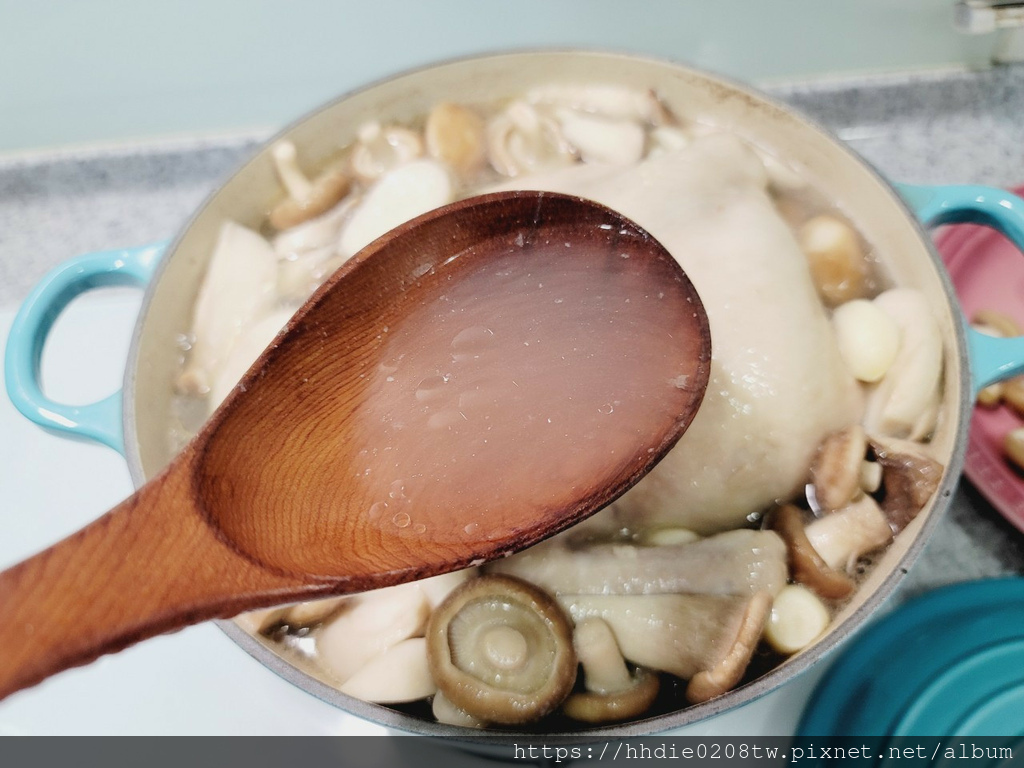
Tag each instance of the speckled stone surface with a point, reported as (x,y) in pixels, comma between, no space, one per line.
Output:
(938,127)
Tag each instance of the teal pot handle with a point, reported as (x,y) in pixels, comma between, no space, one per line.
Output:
(99,421)
(991,359)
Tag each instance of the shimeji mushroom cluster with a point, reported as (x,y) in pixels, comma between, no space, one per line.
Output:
(590,624)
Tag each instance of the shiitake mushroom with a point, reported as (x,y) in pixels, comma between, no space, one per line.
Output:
(501,650)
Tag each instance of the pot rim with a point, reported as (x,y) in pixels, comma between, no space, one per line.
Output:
(775,678)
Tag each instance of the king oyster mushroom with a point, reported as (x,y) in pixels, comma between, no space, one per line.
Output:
(398,196)
(306,199)
(599,139)
(500,649)
(401,673)
(369,624)
(706,639)
(612,692)
(904,404)
(740,562)
(237,290)
(249,345)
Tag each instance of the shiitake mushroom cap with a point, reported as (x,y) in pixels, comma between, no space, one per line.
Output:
(498,692)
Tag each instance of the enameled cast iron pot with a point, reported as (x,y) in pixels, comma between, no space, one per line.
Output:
(136,421)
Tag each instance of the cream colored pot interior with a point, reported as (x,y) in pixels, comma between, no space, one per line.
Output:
(837,172)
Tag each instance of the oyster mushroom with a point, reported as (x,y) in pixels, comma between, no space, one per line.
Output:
(739,562)
(520,140)
(397,197)
(602,140)
(306,199)
(399,674)
(844,536)
(836,259)
(612,692)
(707,639)
(909,479)
(500,649)
(455,134)
(798,617)
(319,232)
(382,149)
(255,338)
(904,403)
(836,470)
(805,564)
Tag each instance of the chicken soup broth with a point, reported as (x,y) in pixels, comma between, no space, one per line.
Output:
(809,454)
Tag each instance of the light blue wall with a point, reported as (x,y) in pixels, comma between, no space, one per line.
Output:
(85,71)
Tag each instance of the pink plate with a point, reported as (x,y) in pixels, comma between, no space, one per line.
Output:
(988,273)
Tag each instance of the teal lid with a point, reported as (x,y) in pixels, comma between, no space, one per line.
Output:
(948,663)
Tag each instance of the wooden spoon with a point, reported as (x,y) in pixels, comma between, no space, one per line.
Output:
(470,383)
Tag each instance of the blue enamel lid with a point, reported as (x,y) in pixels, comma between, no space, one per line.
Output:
(948,663)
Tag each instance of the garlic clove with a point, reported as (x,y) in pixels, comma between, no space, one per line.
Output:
(869,339)
(455,135)
(797,618)
(835,257)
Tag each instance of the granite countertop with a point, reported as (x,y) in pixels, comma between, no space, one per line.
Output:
(933,127)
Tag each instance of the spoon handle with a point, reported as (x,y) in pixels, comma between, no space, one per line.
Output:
(151,565)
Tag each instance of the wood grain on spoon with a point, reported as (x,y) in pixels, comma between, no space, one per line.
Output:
(470,383)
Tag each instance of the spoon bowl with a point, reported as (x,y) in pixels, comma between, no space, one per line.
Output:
(470,383)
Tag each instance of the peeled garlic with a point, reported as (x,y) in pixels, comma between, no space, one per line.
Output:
(868,339)
(835,257)
(798,616)
(455,134)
